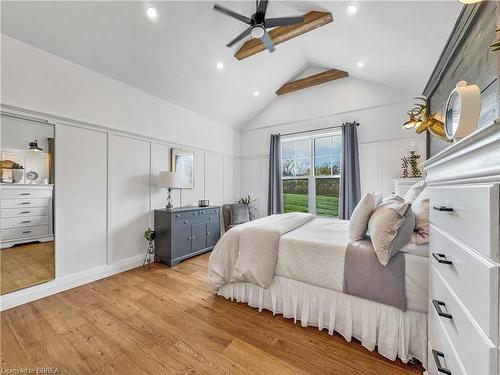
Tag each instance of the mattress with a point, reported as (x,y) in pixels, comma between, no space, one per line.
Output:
(315,253)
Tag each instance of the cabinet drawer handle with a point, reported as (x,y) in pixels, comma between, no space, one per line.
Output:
(203,212)
(440,368)
(25,194)
(178,215)
(189,238)
(25,221)
(185,221)
(25,202)
(210,218)
(26,231)
(442,208)
(437,305)
(208,233)
(441,258)
(24,212)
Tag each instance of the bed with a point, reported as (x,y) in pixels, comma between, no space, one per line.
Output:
(307,283)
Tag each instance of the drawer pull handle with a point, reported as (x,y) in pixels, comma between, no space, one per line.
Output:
(26,232)
(203,212)
(208,233)
(25,221)
(25,202)
(440,368)
(210,218)
(189,238)
(25,194)
(441,258)
(178,215)
(185,221)
(442,208)
(24,212)
(437,305)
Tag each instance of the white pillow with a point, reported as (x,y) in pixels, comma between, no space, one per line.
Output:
(358,225)
(414,191)
(391,226)
(420,208)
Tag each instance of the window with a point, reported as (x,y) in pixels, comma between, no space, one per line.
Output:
(311,174)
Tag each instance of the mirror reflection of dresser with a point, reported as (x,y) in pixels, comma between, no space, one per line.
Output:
(27,247)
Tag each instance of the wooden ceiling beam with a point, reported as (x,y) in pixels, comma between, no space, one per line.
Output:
(280,34)
(316,79)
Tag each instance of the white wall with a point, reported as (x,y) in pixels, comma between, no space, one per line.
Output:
(18,134)
(39,81)
(111,142)
(380,110)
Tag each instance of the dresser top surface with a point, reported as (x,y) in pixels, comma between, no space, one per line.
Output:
(183,209)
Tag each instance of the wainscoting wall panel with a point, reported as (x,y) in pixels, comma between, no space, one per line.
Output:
(214,178)
(129,196)
(80,199)
(231,179)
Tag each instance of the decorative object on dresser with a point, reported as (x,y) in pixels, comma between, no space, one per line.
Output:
(26,214)
(169,180)
(464,192)
(182,163)
(421,119)
(203,203)
(462,110)
(185,232)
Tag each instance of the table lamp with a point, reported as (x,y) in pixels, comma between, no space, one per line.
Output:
(169,180)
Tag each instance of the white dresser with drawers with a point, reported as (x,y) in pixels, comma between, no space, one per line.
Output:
(464,190)
(25,213)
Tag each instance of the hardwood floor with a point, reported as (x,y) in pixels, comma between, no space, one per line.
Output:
(163,321)
(26,265)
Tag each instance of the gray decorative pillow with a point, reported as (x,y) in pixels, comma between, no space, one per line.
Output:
(358,224)
(390,227)
(239,214)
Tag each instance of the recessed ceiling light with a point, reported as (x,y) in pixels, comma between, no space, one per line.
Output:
(256,93)
(220,66)
(152,13)
(360,64)
(351,9)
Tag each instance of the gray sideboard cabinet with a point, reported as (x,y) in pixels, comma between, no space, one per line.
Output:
(185,232)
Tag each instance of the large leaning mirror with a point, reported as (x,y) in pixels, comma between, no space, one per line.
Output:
(26,203)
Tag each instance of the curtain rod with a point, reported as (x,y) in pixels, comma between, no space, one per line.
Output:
(318,129)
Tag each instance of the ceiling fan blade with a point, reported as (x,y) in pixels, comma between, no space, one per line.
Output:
(229,12)
(239,37)
(262,7)
(267,41)
(284,21)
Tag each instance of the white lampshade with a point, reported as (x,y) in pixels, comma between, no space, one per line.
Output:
(169,180)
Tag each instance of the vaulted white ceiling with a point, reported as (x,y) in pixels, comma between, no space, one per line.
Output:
(175,56)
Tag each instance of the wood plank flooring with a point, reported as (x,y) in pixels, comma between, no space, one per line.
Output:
(164,321)
(22,266)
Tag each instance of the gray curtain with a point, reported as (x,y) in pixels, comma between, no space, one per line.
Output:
(275,187)
(350,186)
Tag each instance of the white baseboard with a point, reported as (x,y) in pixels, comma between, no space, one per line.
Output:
(60,284)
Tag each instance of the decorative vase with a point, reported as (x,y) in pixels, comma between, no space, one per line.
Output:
(17,175)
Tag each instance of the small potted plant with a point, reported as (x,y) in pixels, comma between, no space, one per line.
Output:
(17,173)
(247,201)
(150,236)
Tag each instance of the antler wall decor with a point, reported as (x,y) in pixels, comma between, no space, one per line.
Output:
(421,120)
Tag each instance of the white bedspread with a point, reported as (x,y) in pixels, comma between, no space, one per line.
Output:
(313,253)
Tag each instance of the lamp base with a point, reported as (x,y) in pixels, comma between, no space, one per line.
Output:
(169,206)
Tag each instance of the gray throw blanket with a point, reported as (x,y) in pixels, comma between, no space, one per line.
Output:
(365,277)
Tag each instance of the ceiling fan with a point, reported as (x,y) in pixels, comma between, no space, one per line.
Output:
(258,23)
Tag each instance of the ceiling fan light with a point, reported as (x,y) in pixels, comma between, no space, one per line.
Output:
(257,32)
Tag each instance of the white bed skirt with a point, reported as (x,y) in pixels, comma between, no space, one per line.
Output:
(395,333)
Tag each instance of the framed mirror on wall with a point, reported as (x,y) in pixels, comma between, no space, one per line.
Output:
(27,248)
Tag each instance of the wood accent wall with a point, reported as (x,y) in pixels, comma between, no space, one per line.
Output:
(467,56)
